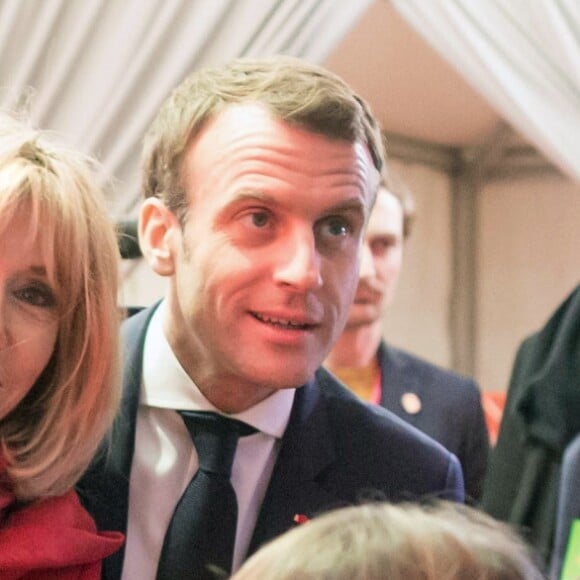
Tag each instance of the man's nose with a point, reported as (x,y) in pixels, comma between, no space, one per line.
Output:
(298,264)
(367,265)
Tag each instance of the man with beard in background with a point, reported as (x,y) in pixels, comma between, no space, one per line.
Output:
(440,403)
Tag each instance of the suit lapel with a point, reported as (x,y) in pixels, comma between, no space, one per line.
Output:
(397,381)
(120,457)
(307,450)
(133,335)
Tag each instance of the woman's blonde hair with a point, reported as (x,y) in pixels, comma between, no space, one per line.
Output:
(383,541)
(50,437)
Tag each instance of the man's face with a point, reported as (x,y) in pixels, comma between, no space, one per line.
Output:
(266,265)
(381,262)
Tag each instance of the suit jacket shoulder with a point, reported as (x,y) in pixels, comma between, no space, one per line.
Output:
(414,373)
(338,450)
(362,432)
(450,408)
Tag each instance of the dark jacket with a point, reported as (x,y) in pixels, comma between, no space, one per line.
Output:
(450,411)
(541,416)
(335,450)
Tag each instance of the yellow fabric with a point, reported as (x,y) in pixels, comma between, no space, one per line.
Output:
(360,380)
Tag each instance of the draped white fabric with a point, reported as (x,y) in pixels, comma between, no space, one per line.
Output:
(96,71)
(522,55)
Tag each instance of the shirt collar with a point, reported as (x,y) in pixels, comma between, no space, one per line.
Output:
(167,385)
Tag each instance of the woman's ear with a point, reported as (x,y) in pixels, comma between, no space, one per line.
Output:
(158,231)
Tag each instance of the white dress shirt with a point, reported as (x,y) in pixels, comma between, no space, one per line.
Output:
(165,459)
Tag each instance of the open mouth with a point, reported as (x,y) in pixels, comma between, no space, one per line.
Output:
(282,322)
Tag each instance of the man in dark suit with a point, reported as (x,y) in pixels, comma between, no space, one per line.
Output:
(259,179)
(443,404)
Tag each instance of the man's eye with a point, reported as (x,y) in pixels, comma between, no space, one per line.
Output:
(260,219)
(36,294)
(337,226)
(381,245)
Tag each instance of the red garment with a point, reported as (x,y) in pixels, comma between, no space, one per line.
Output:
(52,539)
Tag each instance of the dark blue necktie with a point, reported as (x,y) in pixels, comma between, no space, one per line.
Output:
(199,542)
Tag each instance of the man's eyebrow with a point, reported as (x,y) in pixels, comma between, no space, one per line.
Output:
(242,198)
(38,270)
(248,194)
(382,236)
(353,204)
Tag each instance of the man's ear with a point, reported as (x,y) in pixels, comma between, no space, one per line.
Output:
(159,233)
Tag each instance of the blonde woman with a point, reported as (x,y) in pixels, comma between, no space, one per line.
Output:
(382,541)
(58,354)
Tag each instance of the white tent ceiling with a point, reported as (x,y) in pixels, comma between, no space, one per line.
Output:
(431,112)
(97,70)
(524,57)
(414,92)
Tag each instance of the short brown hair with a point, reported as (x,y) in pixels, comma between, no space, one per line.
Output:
(393,184)
(294,91)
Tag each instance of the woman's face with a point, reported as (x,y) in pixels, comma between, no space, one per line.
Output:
(28,313)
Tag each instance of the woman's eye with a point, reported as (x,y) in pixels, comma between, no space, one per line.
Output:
(36,294)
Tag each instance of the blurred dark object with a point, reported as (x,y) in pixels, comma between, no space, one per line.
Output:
(128,240)
(132,310)
(541,418)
